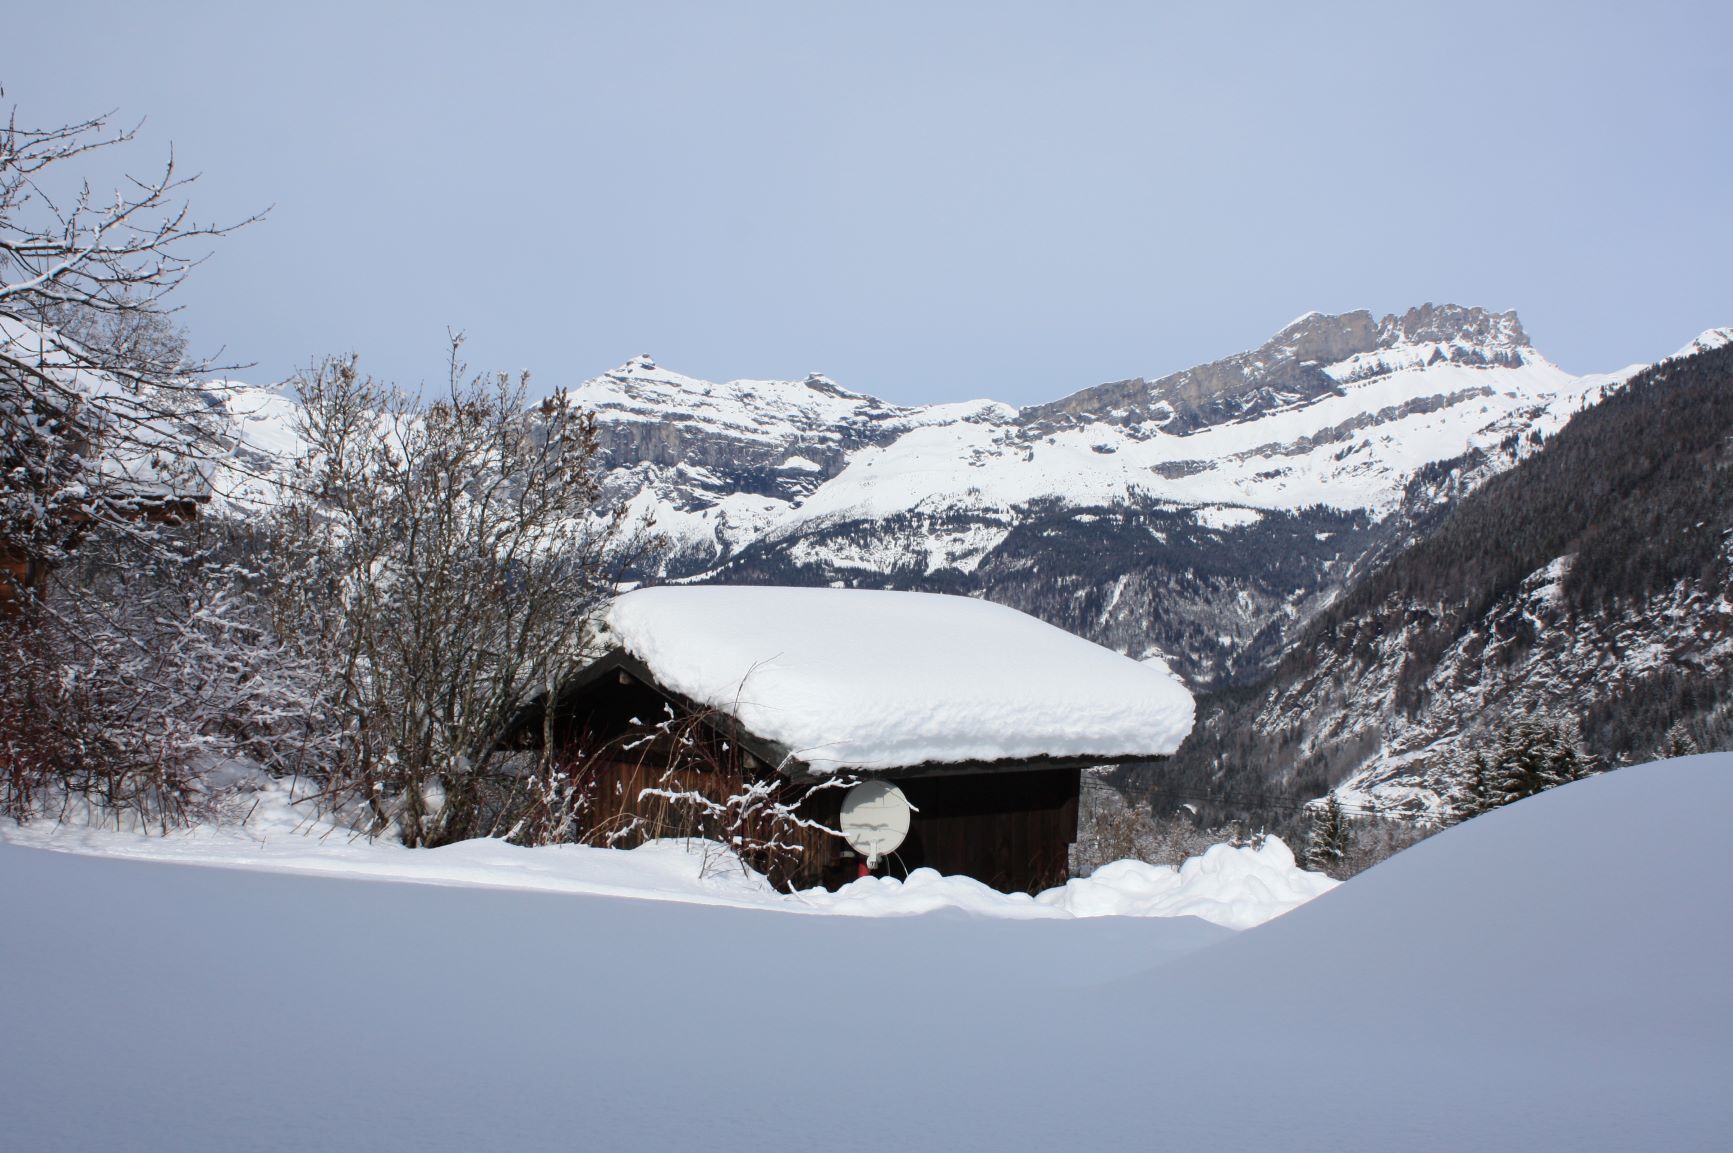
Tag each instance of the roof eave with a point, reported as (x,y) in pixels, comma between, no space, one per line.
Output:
(966,768)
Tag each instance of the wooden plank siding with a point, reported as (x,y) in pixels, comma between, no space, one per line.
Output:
(20,578)
(1010,830)
(1009,825)
(24,576)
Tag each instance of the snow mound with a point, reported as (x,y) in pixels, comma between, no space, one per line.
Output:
(1234,886)
(855,679)
(1237,887)
(1590,918)
(925,891)
(1549,976)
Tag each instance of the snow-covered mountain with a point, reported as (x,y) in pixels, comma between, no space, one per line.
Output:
(1214,520)
(1337,410)
(1591,586)
(717,465)
(1196,517)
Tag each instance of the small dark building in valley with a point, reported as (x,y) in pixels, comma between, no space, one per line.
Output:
(764,717)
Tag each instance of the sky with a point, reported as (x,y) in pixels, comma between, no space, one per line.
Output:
(927,202)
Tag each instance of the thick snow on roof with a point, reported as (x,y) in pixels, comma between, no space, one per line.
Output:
(847,678)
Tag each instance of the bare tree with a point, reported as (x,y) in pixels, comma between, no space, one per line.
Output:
(450,557)
(113,691)
(144,672)
(103,418)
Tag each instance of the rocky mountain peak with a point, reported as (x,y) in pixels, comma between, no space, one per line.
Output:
(1481,328)
(820,383)
(1322,338)
(1308,359)
(1330,339)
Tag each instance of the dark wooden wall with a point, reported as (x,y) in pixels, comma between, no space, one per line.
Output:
(23,576)
(1012,829)
(20,577)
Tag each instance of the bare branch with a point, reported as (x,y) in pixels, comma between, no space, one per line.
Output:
(103,418)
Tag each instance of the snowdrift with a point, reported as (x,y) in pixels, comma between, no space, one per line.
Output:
(1549,976)
(1236,887)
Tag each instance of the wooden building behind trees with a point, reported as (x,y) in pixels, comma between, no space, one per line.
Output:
(746,714)
(103,416)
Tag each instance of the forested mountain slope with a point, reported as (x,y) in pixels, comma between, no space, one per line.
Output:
(1591,584)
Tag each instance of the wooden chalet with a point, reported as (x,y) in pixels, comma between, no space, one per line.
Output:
(24,575)
(130,481)
(983,717)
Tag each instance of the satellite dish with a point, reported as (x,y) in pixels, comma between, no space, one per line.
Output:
(875,819)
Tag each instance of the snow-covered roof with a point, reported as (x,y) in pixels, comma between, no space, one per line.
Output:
(854,679)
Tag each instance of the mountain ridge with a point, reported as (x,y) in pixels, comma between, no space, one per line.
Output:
(1202,533)
(1335,461)
(1289,365)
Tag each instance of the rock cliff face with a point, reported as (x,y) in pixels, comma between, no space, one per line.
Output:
(714,463)
(652,416)
(1297,366)
(1287,370)
(1199,519)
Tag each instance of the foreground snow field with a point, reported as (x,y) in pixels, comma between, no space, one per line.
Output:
(1233,887)
(1549,976)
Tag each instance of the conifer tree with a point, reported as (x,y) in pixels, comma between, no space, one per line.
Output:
(1535,755)
(1678,742)
(1472,794)
(1328,842)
